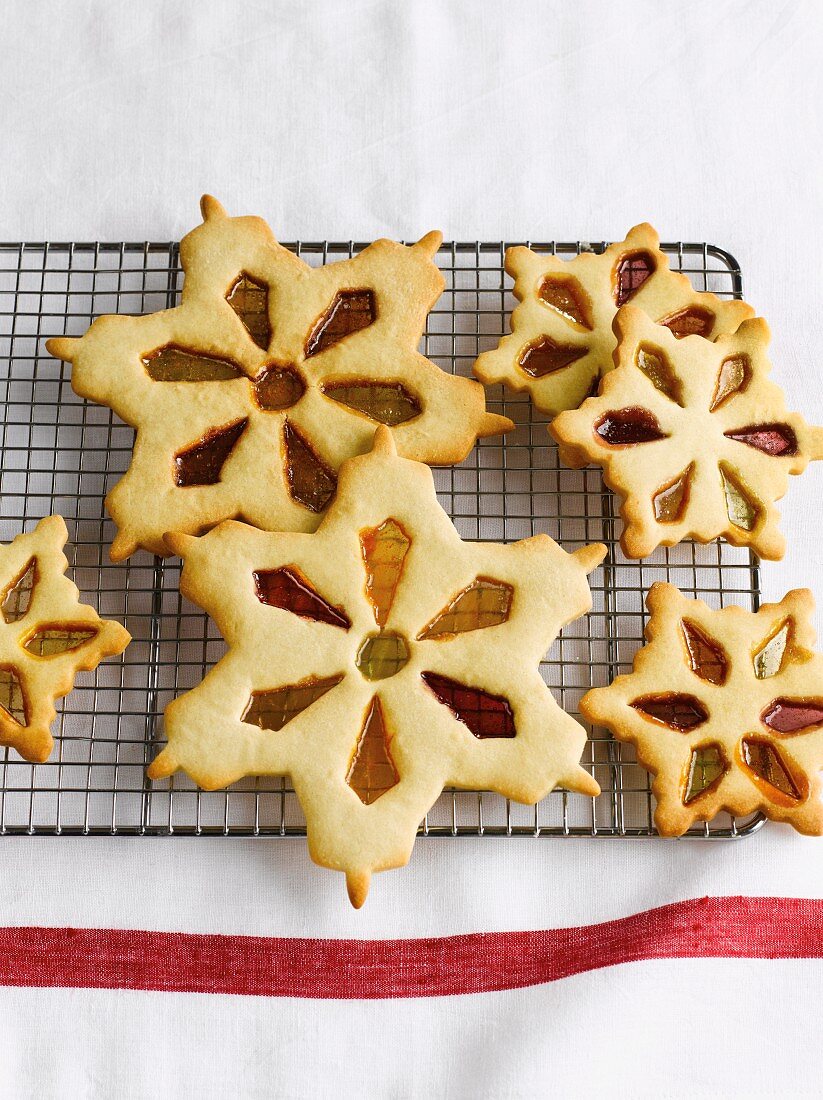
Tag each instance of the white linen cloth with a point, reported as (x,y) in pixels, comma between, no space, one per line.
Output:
(487,120)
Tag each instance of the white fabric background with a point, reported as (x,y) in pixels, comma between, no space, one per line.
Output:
(485,119)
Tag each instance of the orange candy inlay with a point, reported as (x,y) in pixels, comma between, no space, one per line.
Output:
(250,301)
(372,772)
(384,550)
(18,596)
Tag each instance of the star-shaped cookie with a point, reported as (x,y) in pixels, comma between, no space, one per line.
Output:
(377,661)
(46,637)
(692,435)
(561,342)
(725,709)
(248,395)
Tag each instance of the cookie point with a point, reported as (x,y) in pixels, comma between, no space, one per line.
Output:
(589,557)
(384,442)
(627,317)
(163,765)
(516,258)
(494,424)
(38,746)
(647,232)
(121,548)
(56,527)
(659,593)
(211,208)
(430,243)
(583,783)
(118,637)
(62,347)
(755,328)
(178,543)
(357,887)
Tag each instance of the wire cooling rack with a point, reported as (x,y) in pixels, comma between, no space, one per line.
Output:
(60,454)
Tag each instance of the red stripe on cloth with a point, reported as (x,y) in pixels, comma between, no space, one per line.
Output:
(109,958)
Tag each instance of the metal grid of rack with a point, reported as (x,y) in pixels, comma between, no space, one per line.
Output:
(60,454)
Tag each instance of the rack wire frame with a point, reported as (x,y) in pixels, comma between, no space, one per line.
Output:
(60,454)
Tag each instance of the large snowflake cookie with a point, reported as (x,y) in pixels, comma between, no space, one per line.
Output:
(376,661)
(248,395)
(725,709)
(46,637)
(693,436)
(561,342)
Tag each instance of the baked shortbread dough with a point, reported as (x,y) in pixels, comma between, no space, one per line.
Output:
(377,661)
(561,340)
(46,637)
(248,395)
(725,709)
(693,436)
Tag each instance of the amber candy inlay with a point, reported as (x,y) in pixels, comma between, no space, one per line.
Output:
(544,356)
(657,368)
(677,711)
(18,596)
(388,403)
(384,550)
(707,766)
(484,714)
(792,715)
(12,697)
(741,510)
(278,387)
(630,274)
(311,483)
(51,641)
(272,710)
(202,462)
(173,364)
(565,294)
(733,377)
(769,658)
(706,658)
(250,301)
(770,771)
(771,439)
(288,589)
(382,655)
(485,602)
(693,321)
(671,500)
(372,771)
(351,311)
(625,427)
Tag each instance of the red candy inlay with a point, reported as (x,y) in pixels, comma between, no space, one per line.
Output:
(544,357)
(285,588)
(631,273)
(792,715)
(706,658)
(485,715)
(351,311)
(624,427)
(202,463)
(772,439)
(694,321)
(679,712)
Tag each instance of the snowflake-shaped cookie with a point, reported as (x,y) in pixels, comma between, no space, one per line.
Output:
(46,637)
(725,709)
(377,661)
(692,435)
(248,395)
(561,342)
